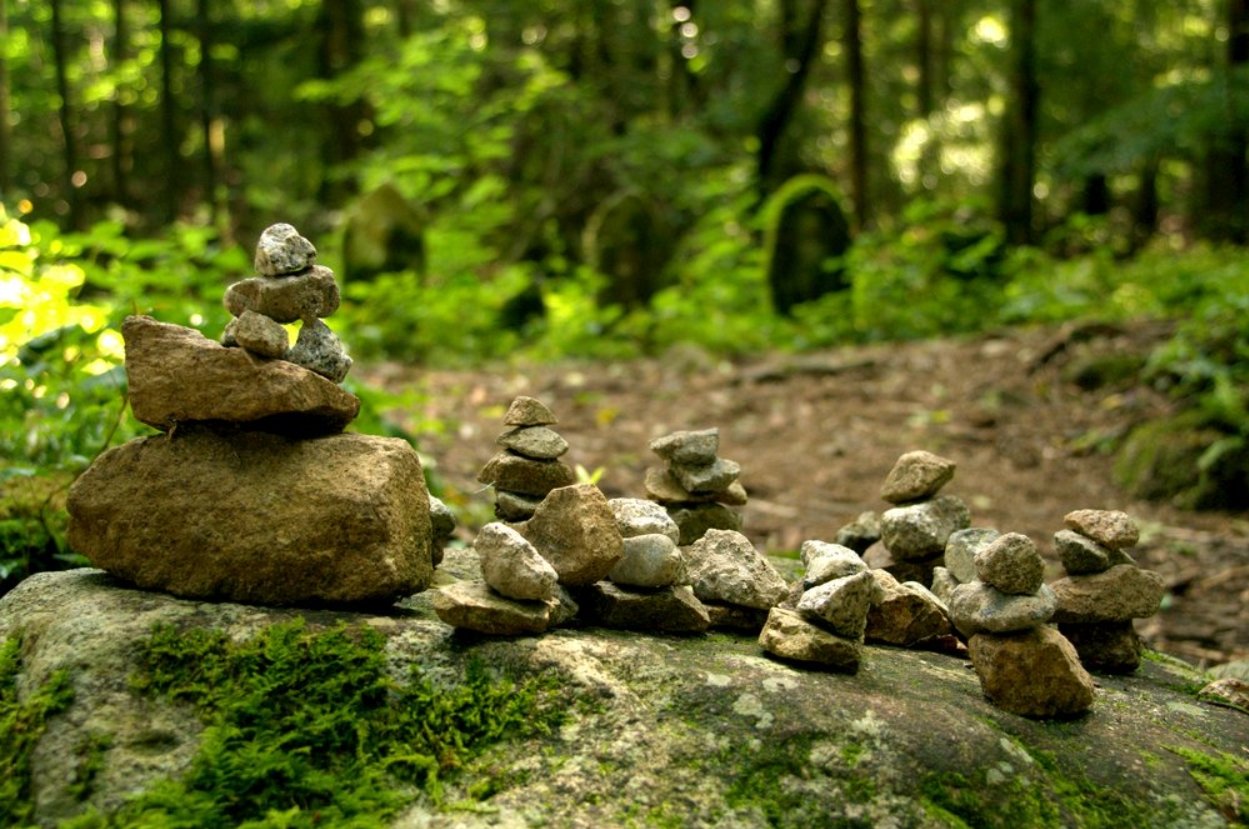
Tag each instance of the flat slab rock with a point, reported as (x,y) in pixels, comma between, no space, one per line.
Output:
(256,517)
(177,375)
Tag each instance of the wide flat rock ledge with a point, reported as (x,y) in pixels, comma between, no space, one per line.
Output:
(692,731)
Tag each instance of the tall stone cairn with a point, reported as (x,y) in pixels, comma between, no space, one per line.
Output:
(528,466)
(697,487)
(914,532)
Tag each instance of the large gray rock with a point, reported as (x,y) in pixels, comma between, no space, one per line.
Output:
(318,349)
(915,476)
(723,566)
(825,562)
(700,732)
(920,531)
(511,565)
(472,605)
(308,296)
(667,610)
(177,375)
(1123,592)
(978,608)
(257,517)
(537,442)
(575,530)
(788,635)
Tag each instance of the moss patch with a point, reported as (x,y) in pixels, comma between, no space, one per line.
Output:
(22,723)
(1224,778)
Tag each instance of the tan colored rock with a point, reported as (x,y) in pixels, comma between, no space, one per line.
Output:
(1012,564)
(1228,691)
(525,476)
(789,636)
(472,605)
(1111,528)
(841,605)
(735,617)
(258,334)
(1082,555)
(575,530)
(725,567)
(649,561)
(1034,674)
(905,614)
(1123,592)
(696,448)
(666,610)
(915,476)
(256,517)
(537,442)
(513,507)
(305,296)
(177,375)
(526,411)
(662,486)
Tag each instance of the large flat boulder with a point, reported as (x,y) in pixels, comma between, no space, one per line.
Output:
(257,517)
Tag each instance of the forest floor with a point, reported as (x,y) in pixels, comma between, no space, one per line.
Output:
(817,433)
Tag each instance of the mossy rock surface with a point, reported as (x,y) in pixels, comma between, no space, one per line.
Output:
(1162,460)
(654,730)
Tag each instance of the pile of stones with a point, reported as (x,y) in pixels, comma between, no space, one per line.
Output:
(528,467)
(254,492)
(1104,590)
(695,485)
(1025,666)
(914,532)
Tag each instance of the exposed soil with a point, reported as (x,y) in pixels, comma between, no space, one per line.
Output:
(817,433)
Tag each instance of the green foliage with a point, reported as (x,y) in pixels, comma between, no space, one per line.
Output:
(307,728)
(22,723)
(1224,778)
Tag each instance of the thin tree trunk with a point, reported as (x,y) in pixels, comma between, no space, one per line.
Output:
(925,94)
(858,114)
(70,146)
(172,191)
(6,139)
(120,157)
(1227,170)
(341,25)
(1017,165)
(207,105)
(780,112)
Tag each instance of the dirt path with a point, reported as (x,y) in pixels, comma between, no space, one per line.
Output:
(816,434)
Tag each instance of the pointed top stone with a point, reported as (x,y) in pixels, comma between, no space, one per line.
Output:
(915,476)
(281,250)
(526,411)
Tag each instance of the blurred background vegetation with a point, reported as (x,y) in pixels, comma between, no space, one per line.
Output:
(609,178)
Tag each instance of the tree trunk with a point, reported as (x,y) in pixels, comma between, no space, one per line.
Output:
(6,138)
(925,93)
(172,190)
(341,30)
(1227,169)
(207,105)
(1145,208)
(70,146)
(858,116)
(1095,198)
(776,118)
(1017,164)
(120,157)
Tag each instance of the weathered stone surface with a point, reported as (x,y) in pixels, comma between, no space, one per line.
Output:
(1082,556)
(575,530)
(841,605)
(723,566)
(635,516)
(258,334)
(961,548)
(789,636)
(1035,673)
(472,605)
(537,442)
(256,517)
(878,557)
(921,530)
(826,562)
(943,584)
(695,448)
(649,561)
(667,610)
(318,349)
(525,476)
(861,533)
(442,527)
(1228,691)
(915,476)
(703,480)
(511,565)
(526,411)
(1120,593)
(735,617)
(281,250)
(978,608)
(905,614)
(307,296)
(512,506)
(695,521)
(177,375)
(1109,647)
(1111,528)
(564,607)
(1012,564)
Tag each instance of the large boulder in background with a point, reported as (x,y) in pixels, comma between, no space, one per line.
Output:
(257,517)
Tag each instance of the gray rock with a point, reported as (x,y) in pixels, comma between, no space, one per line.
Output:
(308,296)
(1034,673)
(1012,564)
(1082,556)
(723,566)
(943,584)
(978,608)
(861,533)
(511,565)
(1111,528)
(878,557)
(662,486)
(575,530)
(526,411)
(961,548)
(696,520)
(537,442)
(281,250)
(258,334)
(667,610)
(694,448)
(442,525)
(649,561)
(791,637)
(177,375)
(635,516)
(921,530)
(701,480)
(564,607)
(1123,592)
(825,562)
(472,605)
(841,604)
(255,517)
(318,349)
(905,614)
(513,506)
(524,476)
(916,476)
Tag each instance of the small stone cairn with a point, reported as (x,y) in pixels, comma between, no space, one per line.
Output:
(528,467)
(253,493)
(1025,666)
(915,530)
(1104,590)
(695,485)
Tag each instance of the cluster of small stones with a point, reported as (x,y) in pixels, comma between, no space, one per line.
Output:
(290,287)
(528,467)
(1104,589)
(697,487)
(914,532)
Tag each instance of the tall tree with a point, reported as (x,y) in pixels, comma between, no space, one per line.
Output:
(207,104)
(340,26)
(120,156)
(800,44)
(1018,140)
(858,115)
(172,185)
(1227,160)
(6,142)
(60,56)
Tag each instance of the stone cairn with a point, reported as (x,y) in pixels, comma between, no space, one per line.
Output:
(695,485)
(528,467)
(914,532)
(1025,666)
(1104,589)
(253,493)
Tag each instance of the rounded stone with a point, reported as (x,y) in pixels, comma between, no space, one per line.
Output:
(919,531)
(537,442)
(636,516)
(281,250)
(649,561)
(258,334)
(915,476)
(1112,528)
(318,349)
(511,565)
(527,411)
(1012,564)
(305,296)
(694,448)
(826,562)
(979,608)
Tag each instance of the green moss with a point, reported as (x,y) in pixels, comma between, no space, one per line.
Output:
(22,723)
(1224,778)
(307,728)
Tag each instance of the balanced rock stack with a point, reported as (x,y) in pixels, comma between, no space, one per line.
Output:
(290,287)
(254,494)
(1104,589)
(696,486)
(914,532)
(1025,666)
(529,465)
